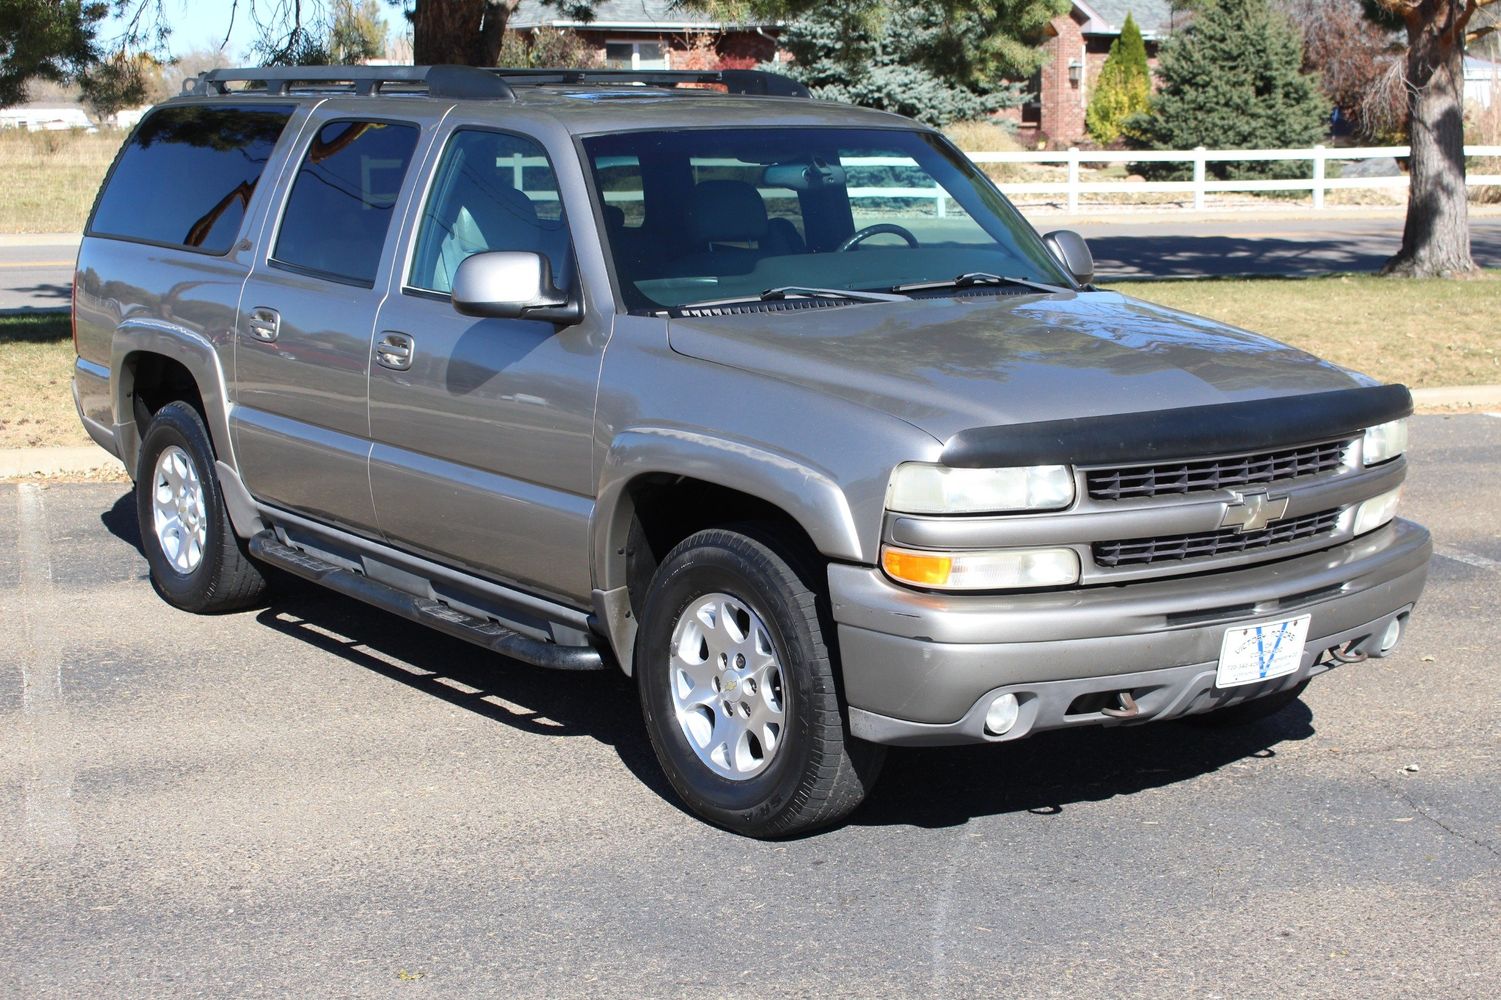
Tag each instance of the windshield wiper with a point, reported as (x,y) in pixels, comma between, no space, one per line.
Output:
(799,292)
(970,279)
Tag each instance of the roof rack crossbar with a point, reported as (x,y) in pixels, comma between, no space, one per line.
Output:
(458,82)
(736,81)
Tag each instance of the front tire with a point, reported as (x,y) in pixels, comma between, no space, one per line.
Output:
(197,563)
(738,690)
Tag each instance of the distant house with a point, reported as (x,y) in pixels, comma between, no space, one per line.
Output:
(1482,81)
(44,118)
(1076,47)
(650,34)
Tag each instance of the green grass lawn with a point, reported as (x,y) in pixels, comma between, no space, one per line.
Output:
(1421,333)
(36,372)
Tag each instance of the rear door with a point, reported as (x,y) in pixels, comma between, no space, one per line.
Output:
(302,351)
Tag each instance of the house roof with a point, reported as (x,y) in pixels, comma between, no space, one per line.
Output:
(1106,17)
(628,15)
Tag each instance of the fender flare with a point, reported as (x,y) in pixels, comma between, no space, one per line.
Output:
(808,495)
(191,350)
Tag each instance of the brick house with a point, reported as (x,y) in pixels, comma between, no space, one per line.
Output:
(651,34)
(1076,47)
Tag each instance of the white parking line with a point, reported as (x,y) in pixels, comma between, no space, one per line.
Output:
(1468,558)
(49,785)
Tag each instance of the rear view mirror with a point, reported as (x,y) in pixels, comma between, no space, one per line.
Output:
(507,284)
(1073,253)
(815,175)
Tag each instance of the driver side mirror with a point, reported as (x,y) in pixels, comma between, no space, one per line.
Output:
(507,284)
(1073,253)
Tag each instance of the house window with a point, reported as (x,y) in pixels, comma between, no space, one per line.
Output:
(635,55)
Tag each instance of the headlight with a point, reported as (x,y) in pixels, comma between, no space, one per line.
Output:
(917,488)
(1384,442)
(1376,511)
(994,569)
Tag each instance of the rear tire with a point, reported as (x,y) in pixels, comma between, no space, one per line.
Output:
(1248,712)
(738,690)
(197,563)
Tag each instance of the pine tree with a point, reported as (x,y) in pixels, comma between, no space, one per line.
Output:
(1124,87)
(933,60)
(1233,80)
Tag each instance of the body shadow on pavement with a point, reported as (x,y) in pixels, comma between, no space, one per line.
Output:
(938,787)
(1051,771)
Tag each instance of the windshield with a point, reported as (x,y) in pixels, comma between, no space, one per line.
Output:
(704,214)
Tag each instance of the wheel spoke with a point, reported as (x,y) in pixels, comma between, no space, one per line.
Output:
(726,684)
(179,513)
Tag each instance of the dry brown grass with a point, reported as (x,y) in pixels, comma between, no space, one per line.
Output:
(36,372)
(1423,333)
(48,179)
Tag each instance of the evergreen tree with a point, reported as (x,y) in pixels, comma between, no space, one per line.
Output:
(1233,80)
(1124,87)
(914,61)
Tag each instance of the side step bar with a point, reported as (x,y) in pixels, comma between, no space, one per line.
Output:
(266,547)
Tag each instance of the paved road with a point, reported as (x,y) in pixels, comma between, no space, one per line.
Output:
(38,277)
(35,276)
(315,800)
(1165,248)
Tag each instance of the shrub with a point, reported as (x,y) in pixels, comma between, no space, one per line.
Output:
(1233,80)
(1124,87)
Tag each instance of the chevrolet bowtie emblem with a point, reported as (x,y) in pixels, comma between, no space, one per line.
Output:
(1253,512)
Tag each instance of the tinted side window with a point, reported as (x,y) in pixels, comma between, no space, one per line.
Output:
(187,174)
(493,192)
(342,201)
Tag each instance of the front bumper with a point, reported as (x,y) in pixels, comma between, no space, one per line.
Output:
(922,668)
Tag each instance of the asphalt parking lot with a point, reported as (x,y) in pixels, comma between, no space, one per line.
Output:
(317,800)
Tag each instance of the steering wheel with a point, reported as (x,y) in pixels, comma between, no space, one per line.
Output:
(861,235)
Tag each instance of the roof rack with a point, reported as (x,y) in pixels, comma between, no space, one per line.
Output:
(472,83)
(458,82)
(735,81)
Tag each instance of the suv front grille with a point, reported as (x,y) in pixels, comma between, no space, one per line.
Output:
(1204,544)
(1215,473)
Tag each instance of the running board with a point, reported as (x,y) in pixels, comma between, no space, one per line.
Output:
(266,547)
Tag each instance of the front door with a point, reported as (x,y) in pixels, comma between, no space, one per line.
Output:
(302,352)
(483,428)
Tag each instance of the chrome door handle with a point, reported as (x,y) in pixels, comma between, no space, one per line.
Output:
(264,324)
(395,350)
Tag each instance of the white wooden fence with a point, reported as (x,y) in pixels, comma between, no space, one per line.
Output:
(1201,187)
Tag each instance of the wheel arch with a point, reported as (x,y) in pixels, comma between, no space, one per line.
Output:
(661,485)
(154,364)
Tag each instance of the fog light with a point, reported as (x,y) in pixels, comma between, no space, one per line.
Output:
(1002,714)
(1391,635)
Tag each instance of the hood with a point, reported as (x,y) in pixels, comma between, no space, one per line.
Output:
(947,364)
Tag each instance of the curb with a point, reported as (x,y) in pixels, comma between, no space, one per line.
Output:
(1459,397)
(18,463)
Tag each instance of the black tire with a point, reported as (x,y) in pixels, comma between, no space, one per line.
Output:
(1247,712)
(817,773)
(224,578)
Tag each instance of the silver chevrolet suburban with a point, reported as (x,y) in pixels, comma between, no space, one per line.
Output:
(776,405)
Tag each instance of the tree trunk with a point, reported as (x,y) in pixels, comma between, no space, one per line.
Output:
(465,32)
(1436,238)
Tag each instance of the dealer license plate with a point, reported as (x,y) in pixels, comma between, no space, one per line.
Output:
(1254,653)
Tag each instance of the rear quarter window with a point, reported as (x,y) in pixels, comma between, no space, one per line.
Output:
(340,209)
(186,175)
